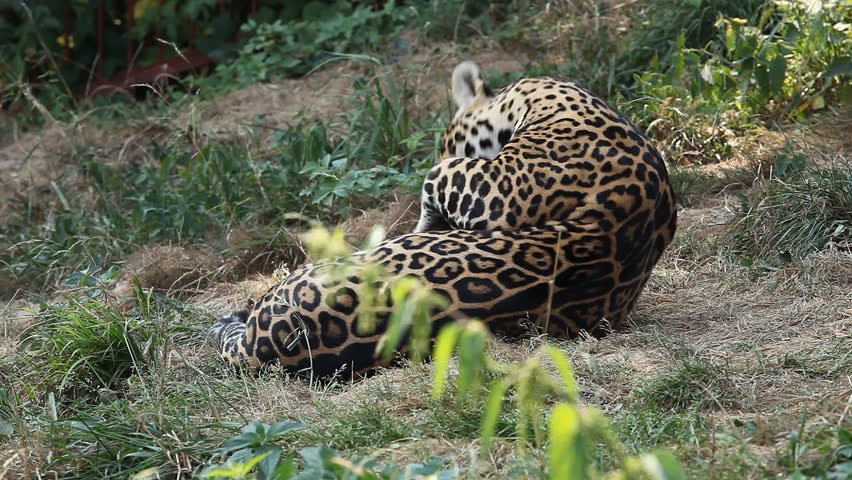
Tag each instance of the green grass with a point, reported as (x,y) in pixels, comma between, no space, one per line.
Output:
(794,217)
(91,343)
(694,383)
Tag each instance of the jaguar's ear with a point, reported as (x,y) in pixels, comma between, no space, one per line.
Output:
(466,84)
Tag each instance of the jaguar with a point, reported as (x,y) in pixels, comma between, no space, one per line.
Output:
(546,214)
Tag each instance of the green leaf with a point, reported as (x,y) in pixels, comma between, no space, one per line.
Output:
(491,414)
(285,469)
(844,436)
(839,67)
(243,440)
(787,164)
(400,319)
(777,71)
(230,470)
(445,343)
(567,453)
(662,466)
(316,458)
(271,454)
(283,427)
(565,370)
(470,350)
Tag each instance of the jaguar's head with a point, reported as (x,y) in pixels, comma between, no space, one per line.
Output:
(480,126)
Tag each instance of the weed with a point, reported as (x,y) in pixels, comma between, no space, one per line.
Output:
(386,147)
(572,429)
(255,440)
(834,447)
(317,462)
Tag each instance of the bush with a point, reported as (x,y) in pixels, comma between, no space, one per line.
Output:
(777,66)
(292,48)
(662,22)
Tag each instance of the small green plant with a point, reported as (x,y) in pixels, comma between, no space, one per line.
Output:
(253,450)
(823,454)
(254,446)
(573,428)
(789,162)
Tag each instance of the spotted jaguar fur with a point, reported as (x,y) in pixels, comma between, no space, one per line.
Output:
(557,208)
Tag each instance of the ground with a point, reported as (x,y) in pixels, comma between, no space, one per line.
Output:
(722,362)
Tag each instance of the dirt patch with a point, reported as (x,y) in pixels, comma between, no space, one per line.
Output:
(15,316)
(260,106)
(327,92)
(40,167)
(28,166)
(223,298)
(829,131)
(175,271)
(22,458)
(397,216)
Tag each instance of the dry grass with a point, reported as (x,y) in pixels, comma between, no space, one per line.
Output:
(173,270)
(397,216)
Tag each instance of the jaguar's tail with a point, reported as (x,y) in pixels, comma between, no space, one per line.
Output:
(227,333)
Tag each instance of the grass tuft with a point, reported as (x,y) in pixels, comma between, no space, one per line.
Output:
(795,217)
(87,343)
(695,384)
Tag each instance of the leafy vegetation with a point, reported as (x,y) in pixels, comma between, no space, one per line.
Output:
(760,69)
(287,49)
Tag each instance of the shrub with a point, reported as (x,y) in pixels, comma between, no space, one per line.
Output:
(765,68)
(662,22)
(292,48)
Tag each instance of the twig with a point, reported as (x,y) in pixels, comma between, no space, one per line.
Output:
(552,283)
